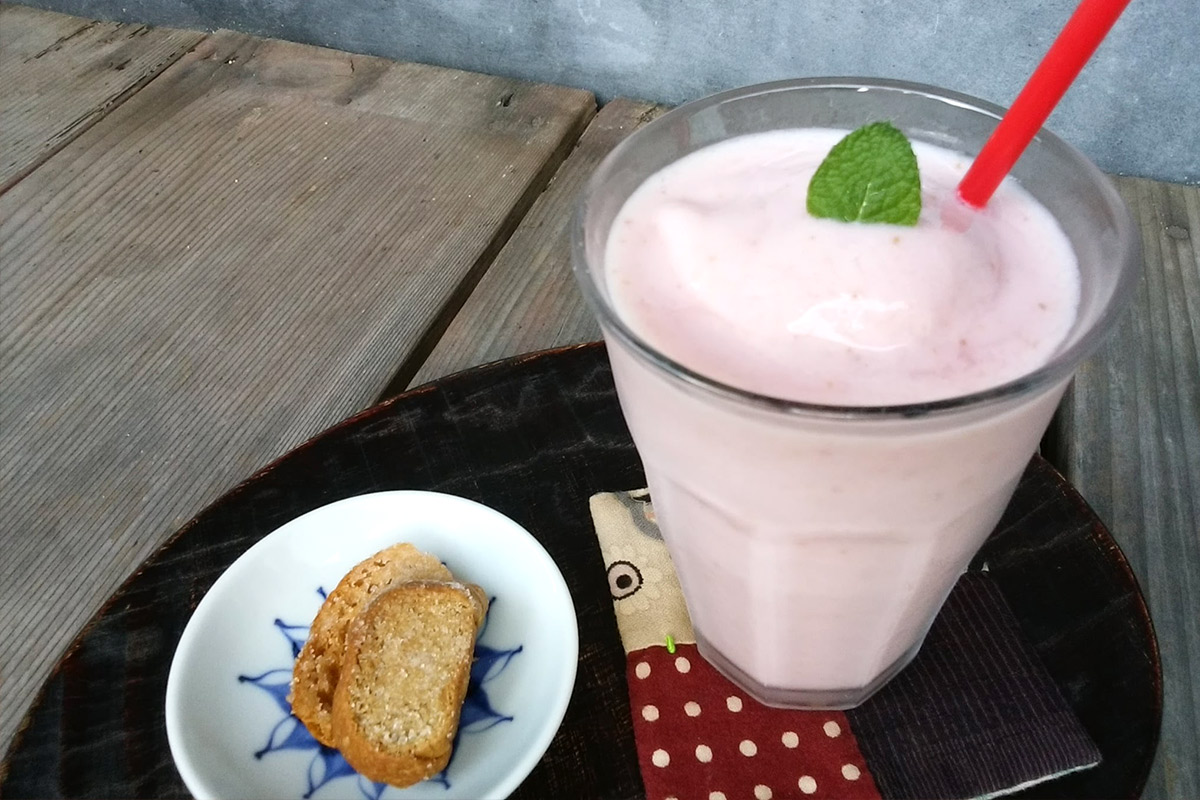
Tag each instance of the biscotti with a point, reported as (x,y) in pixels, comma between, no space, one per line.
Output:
(318,667)
(403,680)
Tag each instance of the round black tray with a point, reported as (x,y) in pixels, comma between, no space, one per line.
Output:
(534,437)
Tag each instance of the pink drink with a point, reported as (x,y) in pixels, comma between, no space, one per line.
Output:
(832,416)
(716,264)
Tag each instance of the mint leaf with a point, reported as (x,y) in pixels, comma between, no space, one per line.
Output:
(869,176)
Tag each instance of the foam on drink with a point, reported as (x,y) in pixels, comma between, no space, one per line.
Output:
(715,262)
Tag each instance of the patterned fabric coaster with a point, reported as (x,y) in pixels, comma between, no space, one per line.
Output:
(974,716)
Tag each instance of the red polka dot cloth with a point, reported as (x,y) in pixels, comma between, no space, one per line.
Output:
(975,715)
(700,736)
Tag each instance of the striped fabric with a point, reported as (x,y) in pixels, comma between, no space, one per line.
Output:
(975,714)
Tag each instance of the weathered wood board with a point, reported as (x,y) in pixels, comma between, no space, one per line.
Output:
(1128,438)
(528,300)
(61,74)
(240,255)
(213,247)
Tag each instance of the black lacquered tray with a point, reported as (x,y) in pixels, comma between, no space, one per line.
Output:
(534,437)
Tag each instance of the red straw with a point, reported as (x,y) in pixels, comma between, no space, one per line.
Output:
(1082,34)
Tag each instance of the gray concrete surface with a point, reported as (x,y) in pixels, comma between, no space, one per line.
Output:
(1135,109)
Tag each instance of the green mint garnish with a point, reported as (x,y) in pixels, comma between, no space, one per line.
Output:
(869,176)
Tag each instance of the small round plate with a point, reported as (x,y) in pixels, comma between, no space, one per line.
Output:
(228,720)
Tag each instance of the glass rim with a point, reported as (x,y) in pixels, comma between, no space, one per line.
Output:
(1060,366)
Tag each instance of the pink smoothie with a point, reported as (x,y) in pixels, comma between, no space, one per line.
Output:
(813,551)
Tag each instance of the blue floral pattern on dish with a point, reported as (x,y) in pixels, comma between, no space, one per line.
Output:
(327,764)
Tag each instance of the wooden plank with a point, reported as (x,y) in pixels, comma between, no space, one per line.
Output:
(62,74)
(236,258)
(1128,438)
(528,299)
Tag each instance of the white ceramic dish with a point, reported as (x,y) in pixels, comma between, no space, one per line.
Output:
(228,722)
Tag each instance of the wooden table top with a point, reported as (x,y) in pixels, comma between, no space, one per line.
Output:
(215,246)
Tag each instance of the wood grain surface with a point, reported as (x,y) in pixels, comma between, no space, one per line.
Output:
(61,74)
(214,246)
(1128,438)
(237,257)
(528,299)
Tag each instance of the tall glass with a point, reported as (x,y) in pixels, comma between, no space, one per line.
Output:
(816,544)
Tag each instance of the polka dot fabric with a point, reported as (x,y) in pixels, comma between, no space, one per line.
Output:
(699,736)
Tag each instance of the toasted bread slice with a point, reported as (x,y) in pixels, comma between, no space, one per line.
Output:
(315,675)
(404,677)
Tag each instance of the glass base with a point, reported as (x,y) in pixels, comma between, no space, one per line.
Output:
(804,699)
